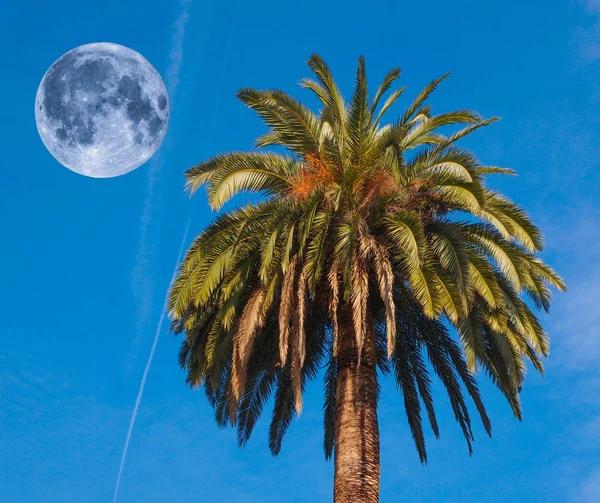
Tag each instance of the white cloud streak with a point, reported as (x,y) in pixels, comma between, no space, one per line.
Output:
(176,54)
(577,330)
(590,489)
(147,369)
(588,39)
(142,282)
(576,345)
(141,279)
(593,6)
(574,240)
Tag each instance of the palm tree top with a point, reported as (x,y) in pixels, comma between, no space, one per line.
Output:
(382,230)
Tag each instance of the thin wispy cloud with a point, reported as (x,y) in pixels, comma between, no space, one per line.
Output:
(176,53)
(578,329)
(588,39)
(141,276)
(593,6)
(143,283)
(146,370)
(573,326)
(142,280)
(575,318)
(590,489)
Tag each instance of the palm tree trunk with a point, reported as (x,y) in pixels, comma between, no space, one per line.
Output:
(356,425)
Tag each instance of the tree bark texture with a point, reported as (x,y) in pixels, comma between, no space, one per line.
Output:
(356,427)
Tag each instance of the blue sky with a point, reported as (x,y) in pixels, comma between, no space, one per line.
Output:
(85,262)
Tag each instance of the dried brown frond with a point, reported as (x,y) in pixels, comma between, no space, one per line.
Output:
(385,280)
(334,301)
(251,321)
(285,309)
(299,341)
(296,368)
(370,249)
(358,298)
(301,335)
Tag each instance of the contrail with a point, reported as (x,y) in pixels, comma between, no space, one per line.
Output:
(140,272)
(148,363)
(141,279)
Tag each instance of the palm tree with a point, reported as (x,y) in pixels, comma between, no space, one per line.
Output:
(372,244)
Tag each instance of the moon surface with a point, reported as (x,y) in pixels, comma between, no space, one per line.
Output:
(102,110)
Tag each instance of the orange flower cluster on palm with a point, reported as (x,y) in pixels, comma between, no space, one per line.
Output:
(315,174)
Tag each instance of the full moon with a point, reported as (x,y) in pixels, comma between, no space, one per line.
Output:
(102,110)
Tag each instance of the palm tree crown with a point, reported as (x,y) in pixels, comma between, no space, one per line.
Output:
(384,233)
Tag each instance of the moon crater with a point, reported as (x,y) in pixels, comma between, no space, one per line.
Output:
(102,110)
